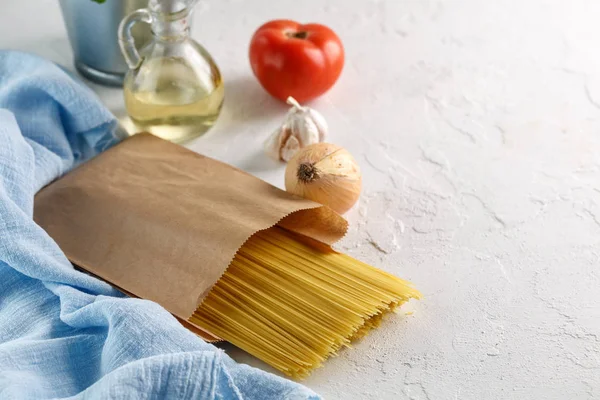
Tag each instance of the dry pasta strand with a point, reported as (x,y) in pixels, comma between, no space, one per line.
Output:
(293,305)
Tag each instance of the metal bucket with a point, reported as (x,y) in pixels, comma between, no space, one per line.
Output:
(92,30)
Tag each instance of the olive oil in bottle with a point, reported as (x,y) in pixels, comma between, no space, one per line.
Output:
(173,88)
(171,101)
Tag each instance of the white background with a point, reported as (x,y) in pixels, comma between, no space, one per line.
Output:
(476,124)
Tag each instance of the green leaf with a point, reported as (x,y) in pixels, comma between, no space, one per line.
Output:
(99,1)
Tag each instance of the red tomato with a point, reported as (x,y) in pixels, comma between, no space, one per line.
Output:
(291,59)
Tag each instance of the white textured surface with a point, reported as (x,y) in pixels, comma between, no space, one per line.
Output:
(477,127)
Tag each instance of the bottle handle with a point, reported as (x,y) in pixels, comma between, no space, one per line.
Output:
(126,40)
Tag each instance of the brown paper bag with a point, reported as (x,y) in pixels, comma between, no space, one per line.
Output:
(162,223)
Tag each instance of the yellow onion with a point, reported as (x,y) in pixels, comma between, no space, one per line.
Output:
(325,173)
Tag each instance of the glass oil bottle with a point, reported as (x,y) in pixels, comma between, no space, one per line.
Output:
(174,88)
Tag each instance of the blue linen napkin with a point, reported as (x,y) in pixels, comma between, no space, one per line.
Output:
(64,334)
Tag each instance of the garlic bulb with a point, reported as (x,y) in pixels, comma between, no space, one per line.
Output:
(325,173)
(303,126)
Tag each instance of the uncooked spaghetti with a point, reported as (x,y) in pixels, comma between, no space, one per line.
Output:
(293,303)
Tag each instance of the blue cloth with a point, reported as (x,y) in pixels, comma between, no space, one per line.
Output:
(64,334)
